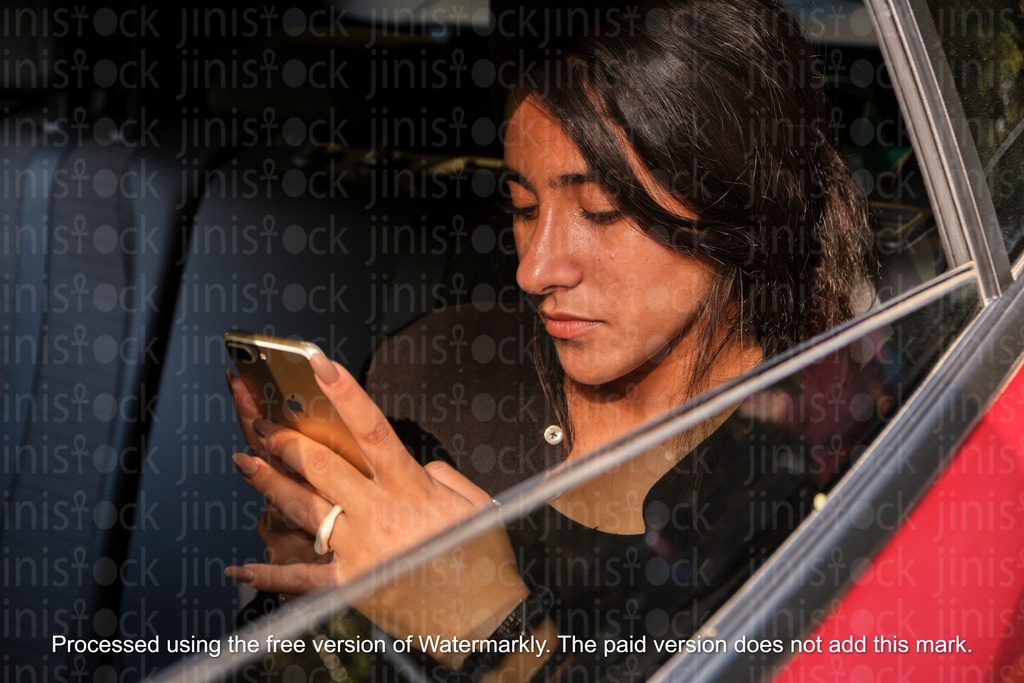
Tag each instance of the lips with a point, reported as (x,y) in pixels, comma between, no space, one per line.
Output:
(564,326)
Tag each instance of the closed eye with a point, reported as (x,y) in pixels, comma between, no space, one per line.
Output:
(601,217)
(528,211)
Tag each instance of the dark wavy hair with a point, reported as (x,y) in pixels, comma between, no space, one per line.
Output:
(720,103)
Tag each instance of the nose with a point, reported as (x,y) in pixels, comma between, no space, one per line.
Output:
(549,259)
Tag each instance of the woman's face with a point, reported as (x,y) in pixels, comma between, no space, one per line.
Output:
(617,304)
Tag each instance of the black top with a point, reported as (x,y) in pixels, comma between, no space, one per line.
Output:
(460,385)
(710,520)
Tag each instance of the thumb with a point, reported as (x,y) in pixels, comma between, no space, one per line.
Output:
(448,476)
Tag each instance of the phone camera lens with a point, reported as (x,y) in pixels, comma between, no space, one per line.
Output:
(241,354)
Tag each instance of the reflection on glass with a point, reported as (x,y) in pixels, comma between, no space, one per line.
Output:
(983,41)
(618,605)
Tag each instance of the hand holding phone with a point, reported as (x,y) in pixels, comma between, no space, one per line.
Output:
(278,373)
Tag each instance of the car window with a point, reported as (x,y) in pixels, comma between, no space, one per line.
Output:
(983,42)
(786,435)
(873,137)
(845,399)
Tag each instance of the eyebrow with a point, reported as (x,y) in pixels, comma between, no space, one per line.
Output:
(569,179)
(563,180)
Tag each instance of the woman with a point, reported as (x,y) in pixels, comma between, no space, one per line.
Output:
(679,215)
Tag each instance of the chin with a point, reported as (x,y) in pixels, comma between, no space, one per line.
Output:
(588,370)
(590,378)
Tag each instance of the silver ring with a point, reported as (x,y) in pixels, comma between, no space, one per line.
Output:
(322,546)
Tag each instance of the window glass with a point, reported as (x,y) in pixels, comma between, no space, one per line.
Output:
(632,601)
(872,136)
(983,41)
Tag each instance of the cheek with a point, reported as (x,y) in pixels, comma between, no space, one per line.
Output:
(665,300)
(658,297)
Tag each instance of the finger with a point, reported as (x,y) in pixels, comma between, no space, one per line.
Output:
(291,579)
(277,523)
(448,476)
(369,426)
(285,541)
(295,501)
(290,548)
(328,473)
(247,411)
(245,402)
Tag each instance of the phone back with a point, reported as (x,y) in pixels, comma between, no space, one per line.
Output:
(278,373)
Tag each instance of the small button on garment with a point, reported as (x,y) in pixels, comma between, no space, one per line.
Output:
(554,435)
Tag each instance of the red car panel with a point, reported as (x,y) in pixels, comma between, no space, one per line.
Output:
(952,577)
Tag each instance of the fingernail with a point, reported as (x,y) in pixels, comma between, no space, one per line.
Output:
(243,574)
(264,427)
(324,369)
(245,464)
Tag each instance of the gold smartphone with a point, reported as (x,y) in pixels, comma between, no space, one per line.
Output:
(278,373)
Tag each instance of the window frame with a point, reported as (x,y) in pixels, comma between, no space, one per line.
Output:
(961,201)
